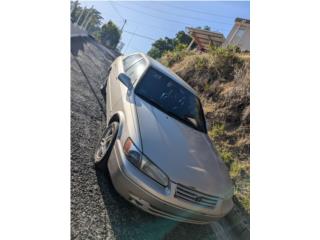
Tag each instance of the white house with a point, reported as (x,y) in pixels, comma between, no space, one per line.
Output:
(239,35)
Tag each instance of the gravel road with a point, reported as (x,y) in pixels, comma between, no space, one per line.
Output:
(97,211)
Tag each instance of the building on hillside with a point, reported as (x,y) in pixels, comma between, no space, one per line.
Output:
(204,38)
(239,35)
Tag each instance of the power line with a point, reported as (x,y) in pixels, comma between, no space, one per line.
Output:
(140,35)
(132,36)
(116,10)
(165,19)
(131,20)
(190,17)
(151,26)
(159,18)
(198,11)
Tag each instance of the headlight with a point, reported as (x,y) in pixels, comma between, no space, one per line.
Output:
(143,163)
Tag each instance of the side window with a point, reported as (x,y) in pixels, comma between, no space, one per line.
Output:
(128,61)
(135,71)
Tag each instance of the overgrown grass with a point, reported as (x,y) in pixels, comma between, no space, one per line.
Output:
(217,130)
(178,54)
(238,170)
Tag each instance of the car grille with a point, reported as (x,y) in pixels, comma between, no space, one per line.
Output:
(195,197)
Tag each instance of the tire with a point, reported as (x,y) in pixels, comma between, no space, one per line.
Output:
(105,145)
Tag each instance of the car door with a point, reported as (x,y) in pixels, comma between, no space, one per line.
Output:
(110,86)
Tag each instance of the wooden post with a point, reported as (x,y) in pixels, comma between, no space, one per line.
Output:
(189,47)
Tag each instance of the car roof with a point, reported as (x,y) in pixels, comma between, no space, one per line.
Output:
(167,71)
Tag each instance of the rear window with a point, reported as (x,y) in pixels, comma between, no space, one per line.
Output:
(136,70)
(170,97)
(130,60)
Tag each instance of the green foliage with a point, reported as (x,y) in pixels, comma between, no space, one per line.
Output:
(171,57)
(161,46)
(180,47)
(242,193)
(201,62)
(226,156)
(183,38)
(219,62)
(235,169)
(217,130)
(95,17)
(109,35)
(155,53)
(206,87)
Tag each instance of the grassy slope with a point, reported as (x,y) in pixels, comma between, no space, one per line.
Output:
(222,80)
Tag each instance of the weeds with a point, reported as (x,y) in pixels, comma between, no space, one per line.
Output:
(217,130)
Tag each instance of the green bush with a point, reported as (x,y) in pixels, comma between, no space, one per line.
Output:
(171,57)
(201,62)
(217,130)
(226,156)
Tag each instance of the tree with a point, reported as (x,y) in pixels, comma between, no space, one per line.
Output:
(109,35)
(86,14)
(161,46)
(183,38)
(207,28)
(77,9)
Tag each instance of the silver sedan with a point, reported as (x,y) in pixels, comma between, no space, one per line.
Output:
(155,144)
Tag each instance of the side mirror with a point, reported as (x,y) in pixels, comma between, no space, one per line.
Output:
(125,79)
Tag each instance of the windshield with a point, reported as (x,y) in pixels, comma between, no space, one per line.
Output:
(170,97)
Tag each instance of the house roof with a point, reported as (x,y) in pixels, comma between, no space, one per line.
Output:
(242,20)
(204,37)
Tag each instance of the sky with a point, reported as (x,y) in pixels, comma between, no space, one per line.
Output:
(153,20)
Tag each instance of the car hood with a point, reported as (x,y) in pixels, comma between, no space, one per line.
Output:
(183,153)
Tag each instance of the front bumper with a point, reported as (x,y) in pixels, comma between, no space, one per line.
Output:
(155,199)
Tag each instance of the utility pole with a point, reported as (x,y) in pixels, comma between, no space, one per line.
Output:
(83,10)
(86,18)
(125,21)
(121,30)
(87,23)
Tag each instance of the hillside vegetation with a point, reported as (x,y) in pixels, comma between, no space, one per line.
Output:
(222,79)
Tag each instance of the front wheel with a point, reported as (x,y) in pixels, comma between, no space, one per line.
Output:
(104,147)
